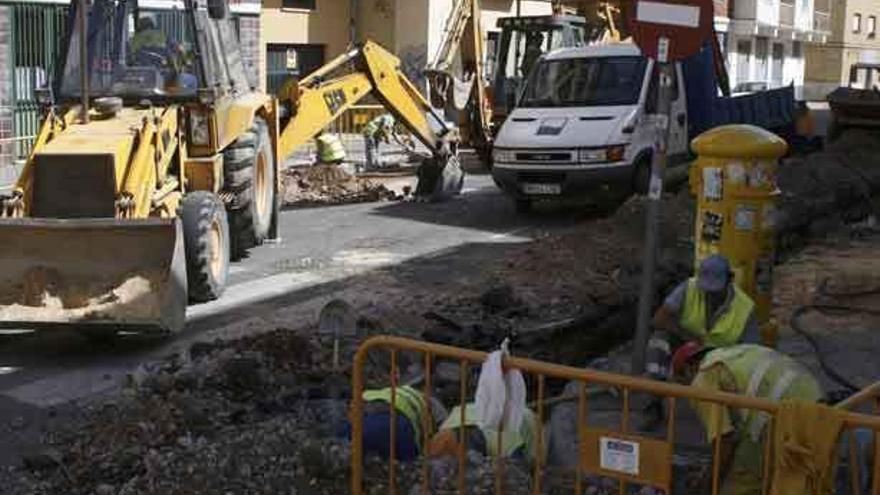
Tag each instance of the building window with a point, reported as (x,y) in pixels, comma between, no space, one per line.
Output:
(298,4)
(872,26)
(857,23)
(797,49)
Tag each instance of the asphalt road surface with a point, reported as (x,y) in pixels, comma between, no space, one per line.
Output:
(321,248)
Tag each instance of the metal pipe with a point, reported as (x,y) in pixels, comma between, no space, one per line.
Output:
(83,60)
(652,217)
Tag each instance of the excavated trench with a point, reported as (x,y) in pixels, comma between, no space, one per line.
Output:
(262,414)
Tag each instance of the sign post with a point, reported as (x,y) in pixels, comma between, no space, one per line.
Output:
(666,32)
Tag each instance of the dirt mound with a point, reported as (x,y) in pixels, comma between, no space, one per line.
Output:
(329,184)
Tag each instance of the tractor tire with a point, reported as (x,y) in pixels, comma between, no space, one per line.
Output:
(206,244)
(249,177)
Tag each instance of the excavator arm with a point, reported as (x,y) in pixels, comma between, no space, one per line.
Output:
(316,101)
(463,37)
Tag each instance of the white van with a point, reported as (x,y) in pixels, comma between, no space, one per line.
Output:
(580,127)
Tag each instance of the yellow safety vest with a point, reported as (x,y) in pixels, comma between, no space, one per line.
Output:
(330,148)
(379,126)
(762,372)
(408,401)
(149,38)
(511,440)
(727,329)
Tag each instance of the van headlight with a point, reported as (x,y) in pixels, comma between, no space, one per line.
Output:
(601,155)
(501,155)
(199,131)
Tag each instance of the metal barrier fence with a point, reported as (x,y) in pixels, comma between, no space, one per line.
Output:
(353,120)
(654,454)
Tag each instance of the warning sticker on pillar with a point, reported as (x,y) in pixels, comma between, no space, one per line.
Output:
(670,30)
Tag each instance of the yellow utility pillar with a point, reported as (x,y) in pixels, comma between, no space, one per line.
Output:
(734,182)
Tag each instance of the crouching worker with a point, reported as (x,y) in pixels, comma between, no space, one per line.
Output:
(709,309)
(513,444)
(410,411)
(749,370)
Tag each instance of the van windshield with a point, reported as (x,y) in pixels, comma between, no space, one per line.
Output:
(579,82)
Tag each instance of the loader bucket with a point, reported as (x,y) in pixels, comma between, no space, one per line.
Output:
(92,274)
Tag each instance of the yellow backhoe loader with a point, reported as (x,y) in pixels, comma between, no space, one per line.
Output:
(158,162)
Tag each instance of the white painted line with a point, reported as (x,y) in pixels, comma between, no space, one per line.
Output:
(509,234)
(664,13)
(255,290)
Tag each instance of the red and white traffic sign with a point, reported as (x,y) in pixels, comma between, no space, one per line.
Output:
(671,30)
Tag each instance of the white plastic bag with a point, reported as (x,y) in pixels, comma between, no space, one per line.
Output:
(501,397)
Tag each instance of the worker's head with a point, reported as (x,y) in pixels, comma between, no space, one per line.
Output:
(686,361)
(146,22)
(715,275)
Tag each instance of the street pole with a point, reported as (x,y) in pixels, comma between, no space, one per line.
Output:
(84,59)
(652,215)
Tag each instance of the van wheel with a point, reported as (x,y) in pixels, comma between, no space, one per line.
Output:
(523,206)
(642,177)
(206,244)
(249,174)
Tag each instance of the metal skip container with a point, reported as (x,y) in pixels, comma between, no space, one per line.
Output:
(733,179)
(92,274)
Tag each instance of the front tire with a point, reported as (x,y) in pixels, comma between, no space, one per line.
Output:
(642,177)
(206,244)
(249,174)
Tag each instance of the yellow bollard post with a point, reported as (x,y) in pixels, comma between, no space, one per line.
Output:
(733,179)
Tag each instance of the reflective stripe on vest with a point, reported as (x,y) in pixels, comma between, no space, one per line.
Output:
(753,366)
(408,402)
(728,328)
(511,440)
(330,148)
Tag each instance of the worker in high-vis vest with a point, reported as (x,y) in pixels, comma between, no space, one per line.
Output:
(512,444)
(378,130)
(330,148)
(411,409)
(149,44)
(709,309)
(744,369)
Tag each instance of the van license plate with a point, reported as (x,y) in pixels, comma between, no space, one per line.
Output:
(542,188)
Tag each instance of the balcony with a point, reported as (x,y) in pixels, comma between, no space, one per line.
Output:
(786,14)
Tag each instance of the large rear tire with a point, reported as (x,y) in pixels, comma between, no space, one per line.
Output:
(206,243)
(249,175)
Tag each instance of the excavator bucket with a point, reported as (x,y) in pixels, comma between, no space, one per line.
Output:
(92,274)
(439,178)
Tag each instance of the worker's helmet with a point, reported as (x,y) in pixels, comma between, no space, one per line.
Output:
(686,354)
(714,274)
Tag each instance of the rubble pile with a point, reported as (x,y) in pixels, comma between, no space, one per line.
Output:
(580,288)
(224,416)
(330,185)
(837,183)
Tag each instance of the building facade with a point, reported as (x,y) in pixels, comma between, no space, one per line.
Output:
(32,37)
(298,36)
(765,40)
(853,39)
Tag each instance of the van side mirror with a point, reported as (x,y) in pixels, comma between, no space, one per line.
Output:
(217,9)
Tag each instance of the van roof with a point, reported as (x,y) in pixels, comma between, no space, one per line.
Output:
(597,50)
